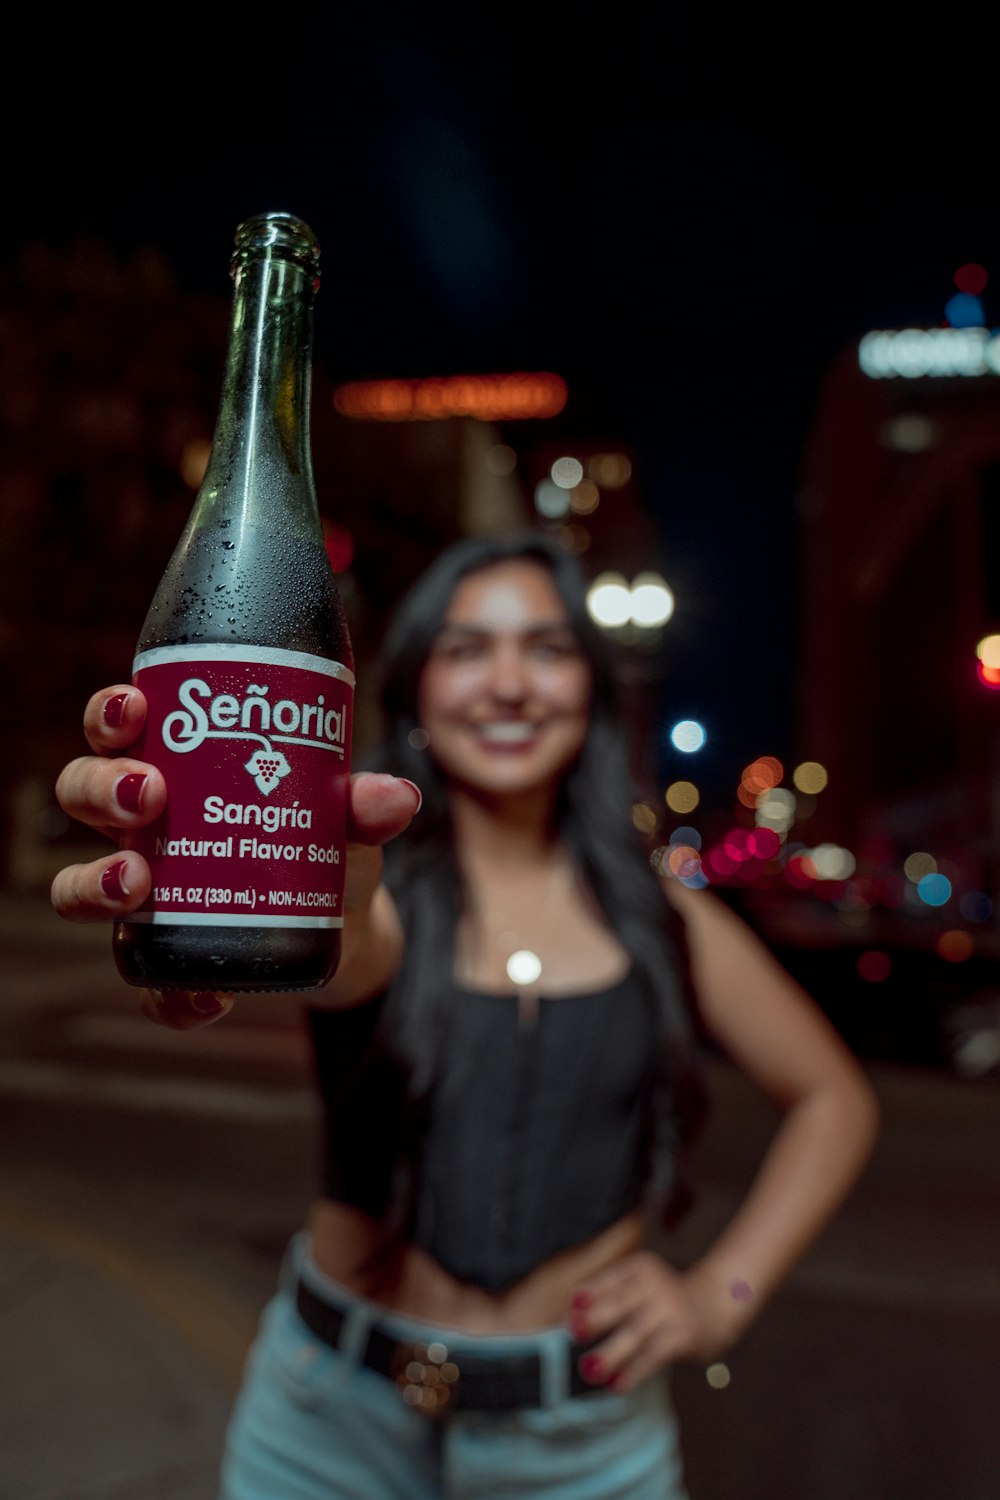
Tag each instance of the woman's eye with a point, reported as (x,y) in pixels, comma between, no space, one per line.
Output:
(461,651)
(553,650)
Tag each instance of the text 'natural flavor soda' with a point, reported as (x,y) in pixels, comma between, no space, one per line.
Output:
(246,664)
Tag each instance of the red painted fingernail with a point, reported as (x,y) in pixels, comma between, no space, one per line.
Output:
(207,1004)
(591,1366)
(114,710)
(420,795)
(128,791)
(113,881)
(581,1299)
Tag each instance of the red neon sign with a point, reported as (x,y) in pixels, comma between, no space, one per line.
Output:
(489,398)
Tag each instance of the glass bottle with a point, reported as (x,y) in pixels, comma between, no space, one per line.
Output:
(246,663)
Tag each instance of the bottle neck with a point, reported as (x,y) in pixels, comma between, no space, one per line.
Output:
(261,459)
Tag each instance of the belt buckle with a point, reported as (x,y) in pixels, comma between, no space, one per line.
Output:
(426,1377)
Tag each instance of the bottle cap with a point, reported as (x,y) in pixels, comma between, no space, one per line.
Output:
(279,236)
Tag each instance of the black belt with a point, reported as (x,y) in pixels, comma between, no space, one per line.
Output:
(435,1380)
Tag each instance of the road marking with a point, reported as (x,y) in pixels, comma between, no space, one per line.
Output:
(217,1328)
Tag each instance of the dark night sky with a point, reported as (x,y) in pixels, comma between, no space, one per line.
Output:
(488,201)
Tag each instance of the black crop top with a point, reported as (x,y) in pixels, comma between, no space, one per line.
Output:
(535,1138)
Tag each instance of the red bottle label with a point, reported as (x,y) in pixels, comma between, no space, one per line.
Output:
(254,745)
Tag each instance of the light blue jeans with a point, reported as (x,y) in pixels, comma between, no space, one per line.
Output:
(311,1423)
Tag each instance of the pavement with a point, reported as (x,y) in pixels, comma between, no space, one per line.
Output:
(146,1202)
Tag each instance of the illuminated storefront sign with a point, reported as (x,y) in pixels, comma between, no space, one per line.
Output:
(490,398)
(912,353)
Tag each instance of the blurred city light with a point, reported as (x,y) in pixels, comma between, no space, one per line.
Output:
(551,501)
(612,471)
(810,777)
(988,652)
(652,601)
(934,890)
(688,735)
(644,817)
(612,601)
(976,906)
(955,946)
(682,796)
(964,311)
(584,497)
(489,398)
(874,966)
(971,278)
(686,835)
(566,473)
(609,600)
(917,865)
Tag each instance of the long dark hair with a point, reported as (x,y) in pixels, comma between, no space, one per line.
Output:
(593,818)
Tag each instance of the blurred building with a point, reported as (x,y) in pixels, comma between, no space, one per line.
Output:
(110,376)
(899,581)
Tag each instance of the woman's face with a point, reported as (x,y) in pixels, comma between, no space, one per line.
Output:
(505,694)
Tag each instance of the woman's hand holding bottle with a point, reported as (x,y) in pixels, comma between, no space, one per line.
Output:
(112,793)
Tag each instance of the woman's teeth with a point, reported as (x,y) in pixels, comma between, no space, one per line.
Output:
(507,732)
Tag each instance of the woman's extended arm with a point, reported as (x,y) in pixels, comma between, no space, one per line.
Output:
(112,793)
(780,1039)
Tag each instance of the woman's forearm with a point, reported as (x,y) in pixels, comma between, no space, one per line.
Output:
(820,1149)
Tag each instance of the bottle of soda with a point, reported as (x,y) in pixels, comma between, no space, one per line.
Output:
(246,664)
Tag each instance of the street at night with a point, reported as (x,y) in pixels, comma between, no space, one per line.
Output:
(152,1178)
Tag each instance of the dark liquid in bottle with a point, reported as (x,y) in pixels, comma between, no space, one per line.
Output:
(258,589)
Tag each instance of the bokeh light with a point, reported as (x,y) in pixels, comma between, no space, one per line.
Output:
(831,862)
(609,600)
(585,497)
(762,774)
(934,890)
(964,311)
(682,796)
(976,906)
(955,946)
(764,843)
(686,835)
(919,864)
(610,470)
(810,777)
(551,500)
(874,966)
(971,278)
(683,861)
(644,817)
(566,473)
(652,600)
(988,653)
(688,735)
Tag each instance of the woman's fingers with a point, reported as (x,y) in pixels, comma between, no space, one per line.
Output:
(111,795)
(113,719)
(640,1312)
(102,890)
(380,807)
(184,1010)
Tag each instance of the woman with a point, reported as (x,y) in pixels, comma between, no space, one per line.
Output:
(506,1056)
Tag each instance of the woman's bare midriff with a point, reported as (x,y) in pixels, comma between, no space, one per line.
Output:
(343,1239)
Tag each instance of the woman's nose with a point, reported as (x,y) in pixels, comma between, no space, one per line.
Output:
(509,677)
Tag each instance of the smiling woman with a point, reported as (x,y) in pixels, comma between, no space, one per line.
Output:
(508,1068)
